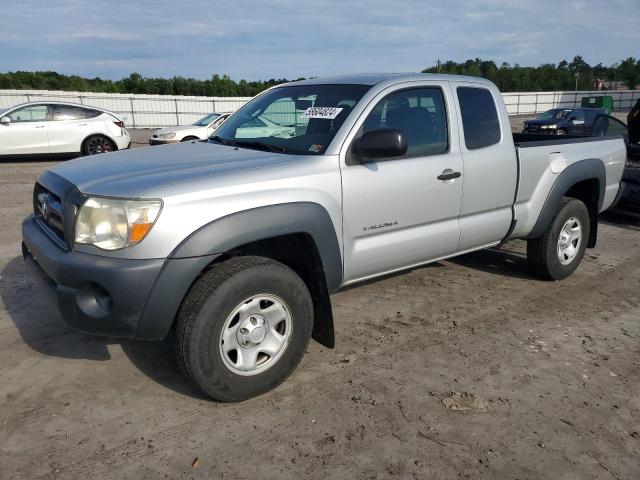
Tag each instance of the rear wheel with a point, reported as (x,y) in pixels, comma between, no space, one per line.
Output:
(243,328)
(97,144)
(557,253)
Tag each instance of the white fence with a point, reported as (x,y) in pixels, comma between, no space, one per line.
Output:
(164,110)
(140,110)
(527,103)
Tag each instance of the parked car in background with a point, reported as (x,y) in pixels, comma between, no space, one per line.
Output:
(605,125)
(633,122)
(52,128)
(564,121)
(200,130)
(630,198)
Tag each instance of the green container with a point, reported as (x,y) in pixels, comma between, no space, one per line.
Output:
(604,101)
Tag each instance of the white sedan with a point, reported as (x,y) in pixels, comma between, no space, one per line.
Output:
(201,130)
(52,128)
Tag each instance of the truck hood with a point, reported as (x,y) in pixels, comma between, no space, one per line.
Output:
(131,173)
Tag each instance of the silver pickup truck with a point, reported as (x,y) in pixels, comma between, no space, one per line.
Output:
(236,243)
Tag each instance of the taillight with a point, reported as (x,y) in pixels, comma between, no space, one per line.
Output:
(120,124)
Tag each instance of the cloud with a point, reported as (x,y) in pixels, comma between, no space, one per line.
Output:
(293,38)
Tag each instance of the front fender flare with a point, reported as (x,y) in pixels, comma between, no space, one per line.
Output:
(226,233)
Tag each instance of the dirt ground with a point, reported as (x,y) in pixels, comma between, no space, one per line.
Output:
(469,368)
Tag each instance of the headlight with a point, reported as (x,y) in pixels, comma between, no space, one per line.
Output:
(168,136)
(111,224)
(554,126)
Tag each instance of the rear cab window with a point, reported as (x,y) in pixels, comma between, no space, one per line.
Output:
(480,122)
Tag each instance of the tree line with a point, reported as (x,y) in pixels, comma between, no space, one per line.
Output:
(509,78)
(216,86)
(574,75)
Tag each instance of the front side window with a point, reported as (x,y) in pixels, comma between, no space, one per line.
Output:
(68,112)
(419,114)
(32,113)
(479,117)
(297,119)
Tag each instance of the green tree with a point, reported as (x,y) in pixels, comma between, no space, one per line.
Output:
(629,72)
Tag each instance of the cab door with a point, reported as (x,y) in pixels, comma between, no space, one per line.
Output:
(401,212)
(26,134)
(490,166)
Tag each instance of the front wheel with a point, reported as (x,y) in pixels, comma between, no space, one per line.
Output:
(243,327)
(557,253)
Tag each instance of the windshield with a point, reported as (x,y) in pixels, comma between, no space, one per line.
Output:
(555,114)
(300,119)
(204,121)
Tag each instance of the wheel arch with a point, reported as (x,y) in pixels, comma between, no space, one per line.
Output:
(300,235)
(584,180)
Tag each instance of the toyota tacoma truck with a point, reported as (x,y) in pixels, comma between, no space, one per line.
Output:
(234,246)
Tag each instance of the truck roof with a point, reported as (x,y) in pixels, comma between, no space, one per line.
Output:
(373,78)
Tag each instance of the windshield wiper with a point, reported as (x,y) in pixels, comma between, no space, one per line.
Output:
(261,145)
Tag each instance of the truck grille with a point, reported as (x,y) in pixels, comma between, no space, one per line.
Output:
(48,209)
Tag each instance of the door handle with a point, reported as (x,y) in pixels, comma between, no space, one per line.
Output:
(449,174)
(82,124)
(39,126)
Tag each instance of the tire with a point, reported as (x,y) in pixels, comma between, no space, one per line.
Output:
(208,316)
(550,256)
(97,144)
(188,139)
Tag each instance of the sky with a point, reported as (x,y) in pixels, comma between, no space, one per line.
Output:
(259,40)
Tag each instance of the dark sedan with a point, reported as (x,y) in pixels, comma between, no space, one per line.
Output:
(564,121)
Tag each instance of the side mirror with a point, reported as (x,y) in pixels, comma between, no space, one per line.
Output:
(381,143)
(5,120)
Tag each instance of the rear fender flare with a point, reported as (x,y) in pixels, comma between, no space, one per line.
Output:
(589,169)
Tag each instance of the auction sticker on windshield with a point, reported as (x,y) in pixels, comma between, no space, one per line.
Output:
(322,112)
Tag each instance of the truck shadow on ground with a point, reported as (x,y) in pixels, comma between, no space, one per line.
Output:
(497,261)
(42,329)
(622,218)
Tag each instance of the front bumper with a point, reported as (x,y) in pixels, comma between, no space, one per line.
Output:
(109,296)
(548,131)
(162,141)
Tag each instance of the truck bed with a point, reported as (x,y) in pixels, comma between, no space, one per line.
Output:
(541,158)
